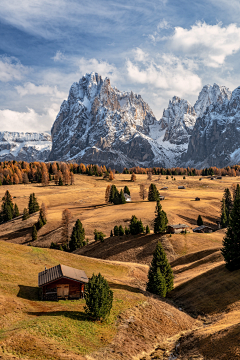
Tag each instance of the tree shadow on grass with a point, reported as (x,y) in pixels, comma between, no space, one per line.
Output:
(124,287)
(29,292)
(74,315)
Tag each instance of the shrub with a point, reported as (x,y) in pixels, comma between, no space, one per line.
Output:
(99,297)
(121,230)
(116,230)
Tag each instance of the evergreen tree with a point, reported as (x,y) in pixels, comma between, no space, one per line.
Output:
(25,214)
(140,227)
(153,194)
(116,230)
(147,230)
(121,230)
(224,220)
(114,195)
(111,233)
(126,190)
(122,199)
(77,237)
(134,225)
(34,233)
(99,297)
(228,202)
(16,211)
(231,242)
(127,231)
(33,204)
(199,220)
(7,212)
(161,220)
(160,265)
(60,182)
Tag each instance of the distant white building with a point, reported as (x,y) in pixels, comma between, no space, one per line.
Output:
(127,197)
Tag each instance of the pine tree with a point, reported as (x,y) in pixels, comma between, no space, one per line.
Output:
(153,194)
(134,225)
(122,199)
(34,233)
(127,231)
(7,212)
(33,204)
(228,202)
(126,190)
(16,211)
(77,237)
(224,220)
(60,182)
(25,214)
(147,230)
(159,264)
(140,227)
(111,233)
(116,230)
(199,220)
(99,297)
(231,242)
(161,220)
(121,230)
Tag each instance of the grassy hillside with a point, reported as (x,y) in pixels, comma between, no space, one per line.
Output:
(32,329)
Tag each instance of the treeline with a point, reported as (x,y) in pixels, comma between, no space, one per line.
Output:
(230,171)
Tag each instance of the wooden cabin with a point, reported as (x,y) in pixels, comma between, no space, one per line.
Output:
(203,229)
(176,229)
(197,199)
(62,282)
(219,177)
(164,188)
(161,197)
(181,187)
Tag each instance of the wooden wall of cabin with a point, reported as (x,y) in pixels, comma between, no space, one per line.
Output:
(76,289)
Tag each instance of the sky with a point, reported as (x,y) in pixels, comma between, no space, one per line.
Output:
(156,48)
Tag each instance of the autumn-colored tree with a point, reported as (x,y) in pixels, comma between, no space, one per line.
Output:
(25,179)
(149,177)
(133,177)
(111,176)
(45,178)
(72,178)
(66,219)
(107,194)
(15,179)
(143,191)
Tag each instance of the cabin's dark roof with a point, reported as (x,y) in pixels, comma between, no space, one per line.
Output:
(60,271)
(179,226)
(201,227)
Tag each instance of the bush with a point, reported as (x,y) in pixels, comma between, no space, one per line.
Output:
(121,230)
(99,236)
(116,230)
(136,226)
(127,230)
(99,297)
(25,214)
(147,230)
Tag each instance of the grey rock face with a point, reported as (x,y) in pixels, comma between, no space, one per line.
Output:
(24,146)
(100,124)
(216,137)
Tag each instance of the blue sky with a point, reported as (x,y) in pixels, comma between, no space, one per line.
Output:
(157,48)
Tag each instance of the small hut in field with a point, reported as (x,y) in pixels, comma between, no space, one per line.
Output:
(62,282)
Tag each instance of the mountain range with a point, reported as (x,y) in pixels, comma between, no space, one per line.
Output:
(102,125)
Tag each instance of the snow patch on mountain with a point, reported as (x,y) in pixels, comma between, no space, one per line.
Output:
(24,146)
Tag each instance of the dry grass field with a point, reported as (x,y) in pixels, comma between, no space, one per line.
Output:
(201,316)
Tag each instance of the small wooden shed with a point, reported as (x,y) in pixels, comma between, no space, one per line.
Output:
(197,199)
(62,282)
(181,187)
(164,188)
(203,229)
(176,229)
(161,197)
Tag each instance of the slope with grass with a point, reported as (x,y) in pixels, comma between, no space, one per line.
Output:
(32,329)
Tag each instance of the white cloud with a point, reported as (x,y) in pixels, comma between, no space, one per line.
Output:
(59,56)
(140,55)
(11,69)
(102,67)
(27,121)
(209,43)
(163,25)
(169,73)
(32,89)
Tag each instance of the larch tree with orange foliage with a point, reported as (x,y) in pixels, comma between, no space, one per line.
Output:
(66,219)
(133,177)
(111,176)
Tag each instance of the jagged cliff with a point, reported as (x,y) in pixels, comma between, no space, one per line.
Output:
(24,146)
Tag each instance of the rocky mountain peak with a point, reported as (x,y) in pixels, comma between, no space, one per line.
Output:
(211,94)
